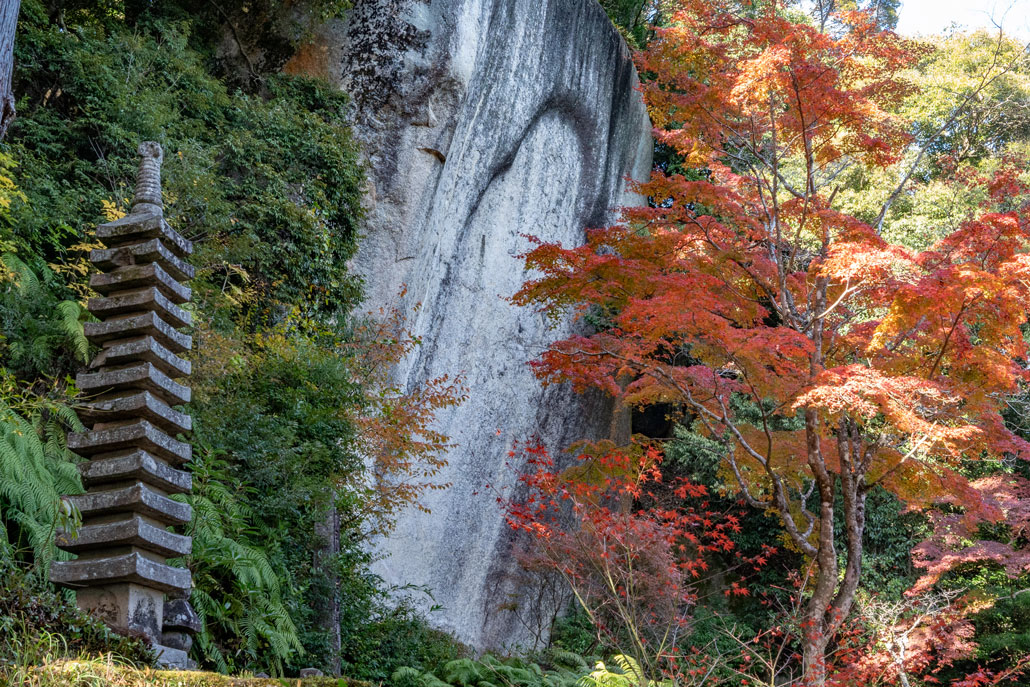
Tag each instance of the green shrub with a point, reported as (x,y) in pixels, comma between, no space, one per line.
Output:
(490,671)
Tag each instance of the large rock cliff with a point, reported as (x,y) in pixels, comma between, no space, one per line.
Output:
(483,120)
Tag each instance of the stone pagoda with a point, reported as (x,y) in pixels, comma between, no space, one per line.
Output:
(121,573)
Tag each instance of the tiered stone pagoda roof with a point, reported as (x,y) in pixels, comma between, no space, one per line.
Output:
(135,458)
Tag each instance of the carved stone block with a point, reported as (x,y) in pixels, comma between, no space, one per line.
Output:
(137,498)
(135,326)
(134,532)
(135,466)
(142,404)
(148,298)
(142,377)
(138,277)
(131,567)
(138,435)
(146,349)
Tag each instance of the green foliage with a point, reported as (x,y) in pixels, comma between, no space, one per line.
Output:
(37,623)
(270,183)
(631,18)
(271,446)
(890,533)
(991,123)
(41,327)
(1003,631)
(380,637)
(36,469)
(237,593)
(572,634)
(625,673)
(490,671)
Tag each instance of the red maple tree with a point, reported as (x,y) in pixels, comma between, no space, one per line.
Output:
(743,288)
(633,545)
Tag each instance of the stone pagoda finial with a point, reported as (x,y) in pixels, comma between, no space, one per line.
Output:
(148,181)
(135,383)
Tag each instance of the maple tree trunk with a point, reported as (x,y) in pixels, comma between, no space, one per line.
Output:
(833,596)
(8,25)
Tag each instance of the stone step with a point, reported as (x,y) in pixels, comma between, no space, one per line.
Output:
(138,466)
(130,567)
(136,301)
(152,250)
(138,277)
(172,658)
(134,326)
(139,435)
(142,377)
(132,532)
(135,228)
(146,349)
(144,404)
(137,498)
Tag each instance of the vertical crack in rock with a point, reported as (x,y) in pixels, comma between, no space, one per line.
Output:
(483,121)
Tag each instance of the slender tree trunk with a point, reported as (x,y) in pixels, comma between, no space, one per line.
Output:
(8,26)
(327,560)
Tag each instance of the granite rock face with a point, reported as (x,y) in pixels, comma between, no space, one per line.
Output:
(483,121)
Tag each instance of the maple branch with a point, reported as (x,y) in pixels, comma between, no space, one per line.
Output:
(847,291)
(947,339)
(920,441)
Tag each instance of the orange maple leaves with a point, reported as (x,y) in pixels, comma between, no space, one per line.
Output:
(747,281)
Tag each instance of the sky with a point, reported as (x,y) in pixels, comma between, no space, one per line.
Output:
(933,16)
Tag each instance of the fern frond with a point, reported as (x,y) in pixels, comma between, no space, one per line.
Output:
(68,320)
(26,279)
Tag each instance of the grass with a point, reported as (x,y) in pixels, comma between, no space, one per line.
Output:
(109,671)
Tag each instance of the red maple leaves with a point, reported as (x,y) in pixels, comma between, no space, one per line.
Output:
(633,545)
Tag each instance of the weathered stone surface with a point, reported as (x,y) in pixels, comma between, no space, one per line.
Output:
(483,120)
(145,324)
(146,349)
(136,466)
(144,376)
(128,608)
(129,567)
(138,498)
(137,227)
(152,250)
(138,277)
(143,405)
(131,532)
(179,615)
(176,640)
(135,301)
(174,658)
(138,435)
(310,672)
